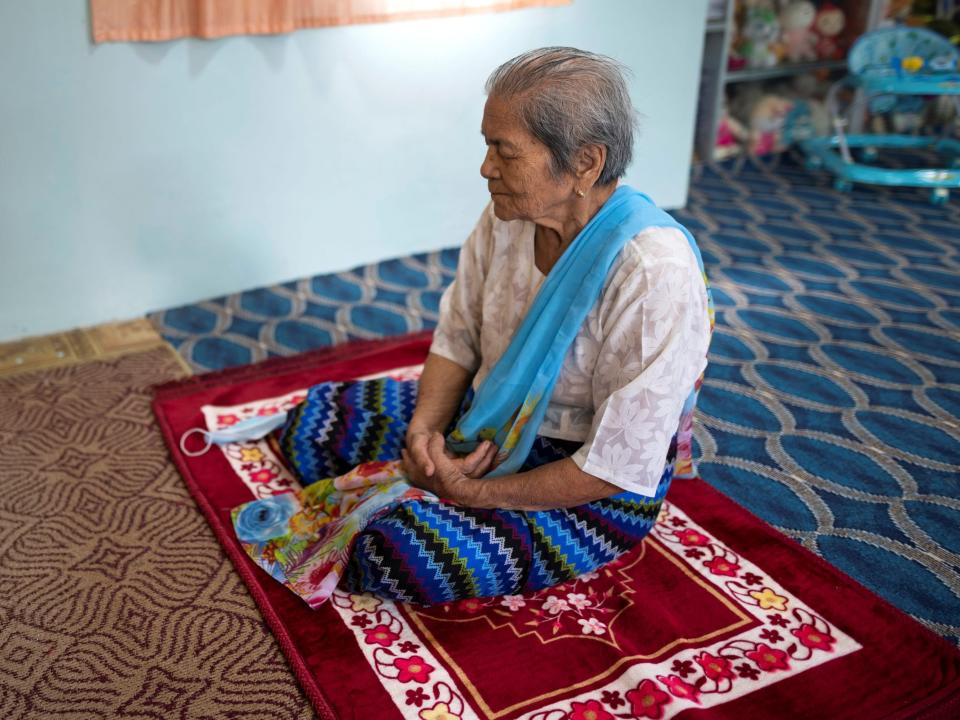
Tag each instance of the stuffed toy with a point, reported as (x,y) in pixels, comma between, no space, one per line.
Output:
(829,23)
(731,136)
(735,59)
(761,30)
(798,38)
(766,124)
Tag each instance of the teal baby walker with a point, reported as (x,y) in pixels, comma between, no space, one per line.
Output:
(890,69)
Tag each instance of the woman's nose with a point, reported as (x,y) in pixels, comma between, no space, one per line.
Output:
(488,168)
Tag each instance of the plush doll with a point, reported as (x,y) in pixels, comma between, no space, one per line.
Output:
(731,136)
(819,116)
(766,124)
(828,25)
(735,59)
(761,30)
(906,122)
(798,38)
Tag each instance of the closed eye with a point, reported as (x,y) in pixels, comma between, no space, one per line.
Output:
(504,149)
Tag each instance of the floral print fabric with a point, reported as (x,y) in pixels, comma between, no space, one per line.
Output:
(304,539)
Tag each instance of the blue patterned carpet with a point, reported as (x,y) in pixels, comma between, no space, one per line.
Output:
(832,402)
(390,298)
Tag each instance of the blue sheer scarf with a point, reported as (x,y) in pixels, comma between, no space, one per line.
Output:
(510,403)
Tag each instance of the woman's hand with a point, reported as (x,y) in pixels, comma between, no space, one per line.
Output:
(559,484)
(449,476)
(416,457)
(439,395)
(474,465)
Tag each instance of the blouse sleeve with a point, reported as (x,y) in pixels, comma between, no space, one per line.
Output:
(457,336)
(655,331)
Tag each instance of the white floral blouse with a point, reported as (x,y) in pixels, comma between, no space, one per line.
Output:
(630,368)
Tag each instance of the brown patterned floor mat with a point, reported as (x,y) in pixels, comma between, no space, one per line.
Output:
(115,599)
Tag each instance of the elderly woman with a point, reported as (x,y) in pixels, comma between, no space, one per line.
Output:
(556,402)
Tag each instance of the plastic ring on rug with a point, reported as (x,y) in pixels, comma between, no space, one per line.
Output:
(197,453)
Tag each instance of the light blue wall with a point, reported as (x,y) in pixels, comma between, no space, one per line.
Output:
(138,177)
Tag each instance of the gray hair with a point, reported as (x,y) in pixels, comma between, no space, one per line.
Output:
(570,98)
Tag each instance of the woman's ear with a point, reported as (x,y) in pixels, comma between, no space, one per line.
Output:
(590,162)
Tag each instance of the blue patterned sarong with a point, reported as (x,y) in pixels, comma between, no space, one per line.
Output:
(429,552)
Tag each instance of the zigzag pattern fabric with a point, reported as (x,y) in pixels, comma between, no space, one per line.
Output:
(343,424)
(430,553)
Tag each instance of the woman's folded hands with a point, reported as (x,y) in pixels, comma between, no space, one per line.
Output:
(430,465)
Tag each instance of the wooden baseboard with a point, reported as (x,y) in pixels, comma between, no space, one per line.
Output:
(81,345)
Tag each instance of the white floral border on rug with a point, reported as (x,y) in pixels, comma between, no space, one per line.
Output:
(789,639)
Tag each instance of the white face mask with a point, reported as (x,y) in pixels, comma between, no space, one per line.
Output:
(252,428)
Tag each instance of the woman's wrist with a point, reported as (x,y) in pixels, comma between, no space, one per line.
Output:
(467,492)
(420,425)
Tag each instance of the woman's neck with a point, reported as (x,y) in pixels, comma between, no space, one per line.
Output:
(553,236)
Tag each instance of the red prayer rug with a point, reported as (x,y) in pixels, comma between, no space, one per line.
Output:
(714,615)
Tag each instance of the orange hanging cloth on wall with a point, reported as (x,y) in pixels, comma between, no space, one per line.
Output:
(152,20)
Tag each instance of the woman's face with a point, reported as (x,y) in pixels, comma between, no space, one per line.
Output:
(517,168)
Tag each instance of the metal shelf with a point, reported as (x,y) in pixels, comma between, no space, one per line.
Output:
(715,78)
(783,70)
